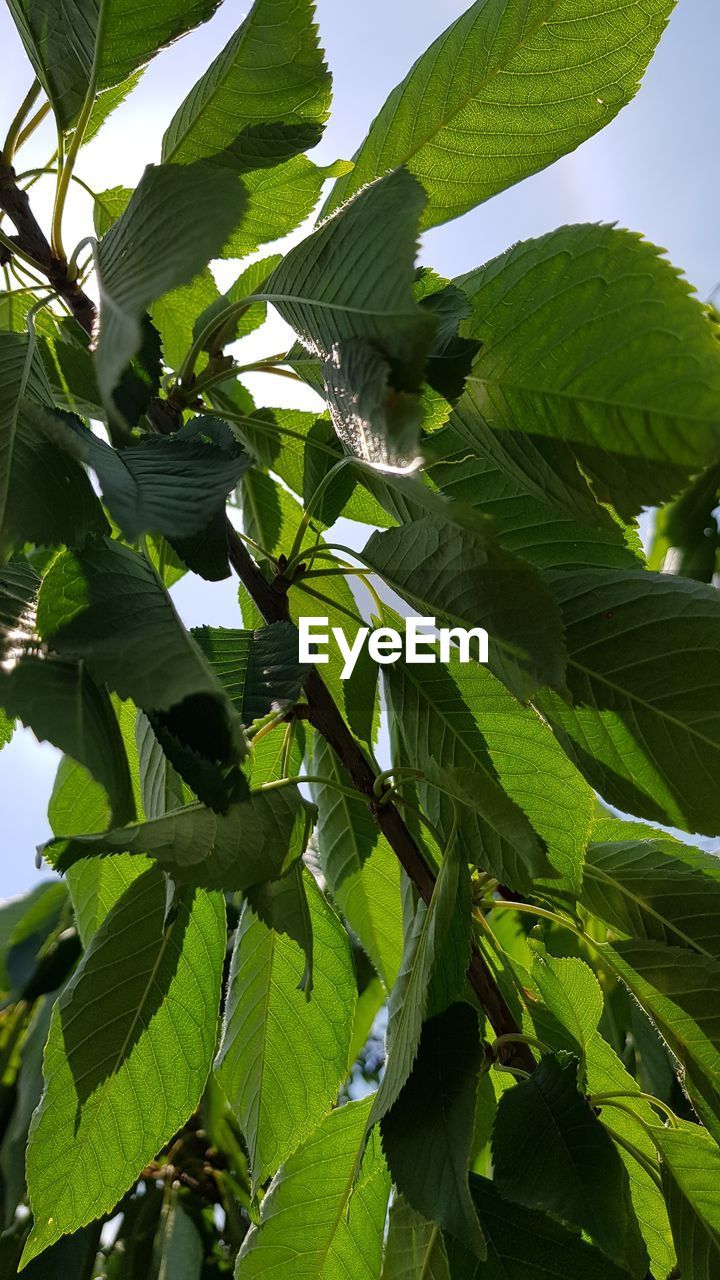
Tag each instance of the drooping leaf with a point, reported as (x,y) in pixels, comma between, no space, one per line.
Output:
(171,485)
(642,669)
(122,1079)
(272,71)
(351,282)
(256,840)
(427,1133)
(144,654)
(592,341)
(343,1235)
(178,217)
(507,89)
(522,1242)
(259,670)
(283,1055)
(72,49)
(461,577)
(550,1152)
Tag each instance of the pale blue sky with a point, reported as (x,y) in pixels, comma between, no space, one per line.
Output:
(653,170)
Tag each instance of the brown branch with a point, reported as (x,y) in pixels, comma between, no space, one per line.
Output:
(31,239)
(271,600)
(325,717)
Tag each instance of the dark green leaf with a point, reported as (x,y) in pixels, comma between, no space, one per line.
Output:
(643,670)
(427,1133)
(550,1152)
(259,670)
(199,847)
(461,576)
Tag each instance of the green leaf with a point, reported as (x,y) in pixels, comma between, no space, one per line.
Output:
(427,1133)
(523,1243)
(25,925)
(506,90)
(689,1182)
(431,932)
(643,667)
(171,485)
(180,1249)
(414,1248)
(606,1074)
(680,992)
(550,1152)
(80,805)
(592,341)
(573,995)
(108,206)
(685,536)
(73,48)
(57,697)
(272,71)
(199,847)
(361,870)
(660,890)
(462,577)
(540,512)
(279,200)
(175,313)
(144,654)
(122,1077)
(250,281)
(353,279)
(283,1055)
(259,670)
(178,218)
(319,1220)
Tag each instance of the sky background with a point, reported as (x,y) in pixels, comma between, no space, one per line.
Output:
(654,169)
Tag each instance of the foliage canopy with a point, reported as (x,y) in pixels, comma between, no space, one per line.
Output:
(191,1017)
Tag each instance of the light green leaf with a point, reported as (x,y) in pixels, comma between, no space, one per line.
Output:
(118,1088)
(361,870)
(79,804)
(319,1221)
(573,995)
(593,342)
(179,1249)
(174,315)
(250,281)
(690,1185)
(178,217)
(272,71)
(108,206)
(659,889)
(279,200)
(414,1248)
(259,670)
(199,847)
(643,671)
(283,1055)
(85,42)
(550,1152)
(460,576)
(427,1133)
(510,87)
